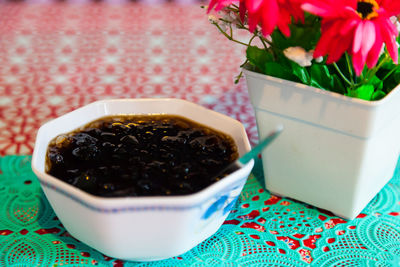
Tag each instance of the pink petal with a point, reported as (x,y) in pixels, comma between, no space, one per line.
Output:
(390,42)
(324,43)
(219,4)
(331,9)
(333,55)
(348,26)
(358,37)
(350,12)
(358,63)
(391,6)
(269,16)
(352,3)
(211,5)
(375,51)
(321,10)
(284,21)
(368,37)
(339,47)
(349,3)
(253,5)
(293,7)
(253,19)
(391,27)
(242,10)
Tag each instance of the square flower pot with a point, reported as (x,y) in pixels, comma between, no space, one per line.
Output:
(335,153)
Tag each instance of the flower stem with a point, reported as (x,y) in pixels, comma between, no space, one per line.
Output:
(238,77)
(390,72)
(371,73)
(252,38)
(342,75)
(228,36)
(349,68)
(262,41)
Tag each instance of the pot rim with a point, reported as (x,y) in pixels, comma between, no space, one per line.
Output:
(331,94)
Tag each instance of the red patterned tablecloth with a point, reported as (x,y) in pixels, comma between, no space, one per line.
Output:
(55,58)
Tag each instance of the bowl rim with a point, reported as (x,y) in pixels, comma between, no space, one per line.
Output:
(144,203)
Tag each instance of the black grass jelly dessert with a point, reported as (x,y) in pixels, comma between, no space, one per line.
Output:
(140,155)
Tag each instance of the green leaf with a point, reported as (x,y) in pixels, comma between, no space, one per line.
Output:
(280,71)
(376,82)
(390,81)
(279,40)
(320,76)
(378,95)
(338,86)
(300,72)
(363,92)
(389,64)
(316,84)
(264,62)
(305,35)
(258,57)
(293,69)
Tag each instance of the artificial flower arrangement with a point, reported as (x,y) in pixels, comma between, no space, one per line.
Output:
(344,46)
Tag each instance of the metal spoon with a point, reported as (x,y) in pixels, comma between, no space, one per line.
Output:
(253,152)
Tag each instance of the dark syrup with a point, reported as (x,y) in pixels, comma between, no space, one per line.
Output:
(140,155)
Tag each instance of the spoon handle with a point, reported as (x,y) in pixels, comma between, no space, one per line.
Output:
(253,152)
(261,145)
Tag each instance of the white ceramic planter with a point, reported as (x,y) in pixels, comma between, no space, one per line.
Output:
(335,153)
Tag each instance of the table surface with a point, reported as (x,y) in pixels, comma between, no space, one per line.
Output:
(57,57)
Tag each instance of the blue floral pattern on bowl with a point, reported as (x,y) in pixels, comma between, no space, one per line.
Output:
(225,202)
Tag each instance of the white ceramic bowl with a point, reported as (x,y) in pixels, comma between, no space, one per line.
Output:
(141,228)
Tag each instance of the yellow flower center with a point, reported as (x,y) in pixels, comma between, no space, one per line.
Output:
(366,9)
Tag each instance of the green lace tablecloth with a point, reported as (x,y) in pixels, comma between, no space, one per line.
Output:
(262,230)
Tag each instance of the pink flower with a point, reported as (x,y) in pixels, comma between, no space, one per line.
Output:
(220,4)
(360,27)
(273,13)
(269,14)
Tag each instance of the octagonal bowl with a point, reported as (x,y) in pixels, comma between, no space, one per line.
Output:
(141,228)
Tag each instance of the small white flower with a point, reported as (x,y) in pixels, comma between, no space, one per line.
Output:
(319,59)
(299,55)
(230,19)
(215,20)
(212,18)
(227,17)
